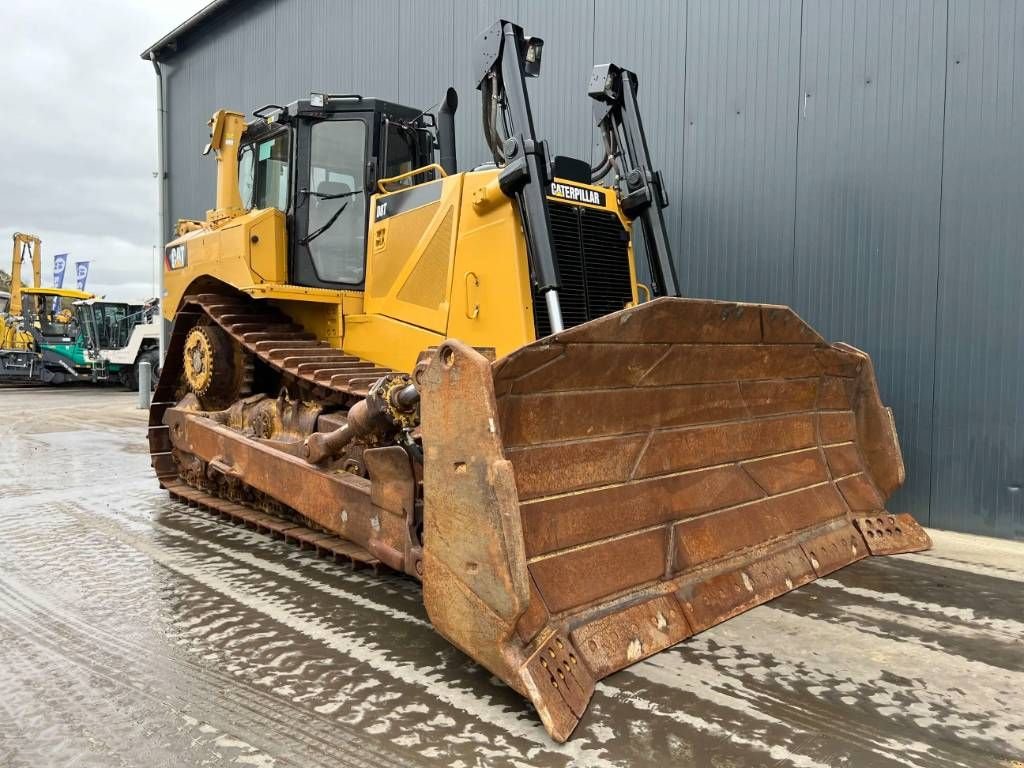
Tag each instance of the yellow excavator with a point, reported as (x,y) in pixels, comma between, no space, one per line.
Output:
(460,376)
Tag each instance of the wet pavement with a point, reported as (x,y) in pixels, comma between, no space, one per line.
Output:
(135,631)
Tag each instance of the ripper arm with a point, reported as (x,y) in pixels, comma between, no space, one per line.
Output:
(641,188)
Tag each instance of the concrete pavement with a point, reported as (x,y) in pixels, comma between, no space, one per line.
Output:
(136,631)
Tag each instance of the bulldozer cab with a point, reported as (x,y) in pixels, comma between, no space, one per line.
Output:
(318,160)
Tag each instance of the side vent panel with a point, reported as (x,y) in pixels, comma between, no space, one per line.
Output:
(427,284)
(403,234)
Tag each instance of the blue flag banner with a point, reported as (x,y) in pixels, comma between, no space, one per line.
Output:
(81,274)
(60,261)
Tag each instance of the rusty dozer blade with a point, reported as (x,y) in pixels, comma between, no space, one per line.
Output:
(602,494)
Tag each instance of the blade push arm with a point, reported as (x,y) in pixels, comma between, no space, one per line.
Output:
(641,188)
(506,57)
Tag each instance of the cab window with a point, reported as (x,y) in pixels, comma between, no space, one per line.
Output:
(53,316)
(263,173)
(400,155)
(336,233)
(247,175)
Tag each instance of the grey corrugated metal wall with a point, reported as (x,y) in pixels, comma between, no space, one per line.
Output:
(861,160)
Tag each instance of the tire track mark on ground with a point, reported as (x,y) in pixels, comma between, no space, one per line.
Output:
(131,666)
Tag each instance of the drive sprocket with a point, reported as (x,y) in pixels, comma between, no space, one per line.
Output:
(214,366)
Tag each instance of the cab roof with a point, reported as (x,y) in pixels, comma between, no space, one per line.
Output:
(64,293)
(335,104)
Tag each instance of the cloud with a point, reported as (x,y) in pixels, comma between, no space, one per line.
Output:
(119,269)
(79,139)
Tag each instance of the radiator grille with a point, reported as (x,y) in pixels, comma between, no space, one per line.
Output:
(592,250)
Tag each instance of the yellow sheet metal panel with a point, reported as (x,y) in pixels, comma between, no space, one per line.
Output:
(191,256)
(491,303)
(322,319)
(392,246)
(429,280)
(387,342)
(288,292)
(227,253)
(410,252)
(268,246)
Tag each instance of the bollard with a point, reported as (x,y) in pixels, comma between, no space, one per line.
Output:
(145,383)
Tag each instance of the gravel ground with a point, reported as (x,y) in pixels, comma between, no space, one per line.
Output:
(135,631)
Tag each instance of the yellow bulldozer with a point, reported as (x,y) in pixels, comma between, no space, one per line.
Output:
(459,375)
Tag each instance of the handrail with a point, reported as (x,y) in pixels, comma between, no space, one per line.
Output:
(414,172)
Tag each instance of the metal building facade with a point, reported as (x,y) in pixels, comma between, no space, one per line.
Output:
(860,160)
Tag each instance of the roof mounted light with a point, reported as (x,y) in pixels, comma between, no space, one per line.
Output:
(322,100)
(531,60)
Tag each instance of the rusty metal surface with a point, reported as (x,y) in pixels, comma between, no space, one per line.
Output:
(251,454)
(228,463)
(674,464)
(231,465)
(325,545)
(321,373)
(892,534)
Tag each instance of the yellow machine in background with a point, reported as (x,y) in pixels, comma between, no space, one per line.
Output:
(24,246)
(452,374)
(13,337)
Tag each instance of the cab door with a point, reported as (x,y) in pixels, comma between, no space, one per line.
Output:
(330,213)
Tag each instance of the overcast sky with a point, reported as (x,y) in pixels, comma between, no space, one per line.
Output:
(79,135)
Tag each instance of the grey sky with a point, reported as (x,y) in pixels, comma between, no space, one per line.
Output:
(79,139)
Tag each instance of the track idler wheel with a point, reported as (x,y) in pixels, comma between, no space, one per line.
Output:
(214,366)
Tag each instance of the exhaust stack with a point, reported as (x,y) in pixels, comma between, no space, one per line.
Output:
(446,131)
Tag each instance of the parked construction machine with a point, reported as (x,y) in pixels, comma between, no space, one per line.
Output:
(42,342)
(459,376)
(20,356)
(115,338)
(58,335)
